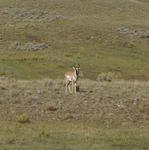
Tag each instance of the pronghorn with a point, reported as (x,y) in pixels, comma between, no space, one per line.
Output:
(71,78)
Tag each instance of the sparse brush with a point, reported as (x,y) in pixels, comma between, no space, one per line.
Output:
(144,107)
(48,82)
(24,118)
(51,106)
(129,44)
(110,76)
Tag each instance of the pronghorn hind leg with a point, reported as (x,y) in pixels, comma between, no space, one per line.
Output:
(67,84)
(72,86)
(69,88)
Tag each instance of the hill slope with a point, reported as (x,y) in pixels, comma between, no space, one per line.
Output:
(40,39)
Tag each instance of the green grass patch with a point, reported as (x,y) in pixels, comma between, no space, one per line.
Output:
(71,135)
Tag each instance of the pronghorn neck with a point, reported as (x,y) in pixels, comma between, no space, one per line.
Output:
(76,74)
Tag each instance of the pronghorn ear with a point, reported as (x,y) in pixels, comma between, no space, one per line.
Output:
(74,68)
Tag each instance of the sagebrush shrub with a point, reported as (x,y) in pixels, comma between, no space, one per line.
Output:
(23,118)
(109,76)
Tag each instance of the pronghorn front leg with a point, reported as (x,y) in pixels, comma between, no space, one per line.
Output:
(69,88)
(75,87)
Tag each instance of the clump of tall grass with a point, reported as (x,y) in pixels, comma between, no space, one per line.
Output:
(48,82)
(24,118)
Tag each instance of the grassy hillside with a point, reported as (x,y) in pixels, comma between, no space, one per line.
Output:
(44,38)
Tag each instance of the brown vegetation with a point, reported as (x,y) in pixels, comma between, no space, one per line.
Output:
(109,103)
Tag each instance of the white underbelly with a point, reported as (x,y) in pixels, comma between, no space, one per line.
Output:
(71,78)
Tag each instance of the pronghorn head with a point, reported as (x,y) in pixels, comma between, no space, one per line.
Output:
(76,69)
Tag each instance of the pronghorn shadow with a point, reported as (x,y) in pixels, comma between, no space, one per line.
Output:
(82,90)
